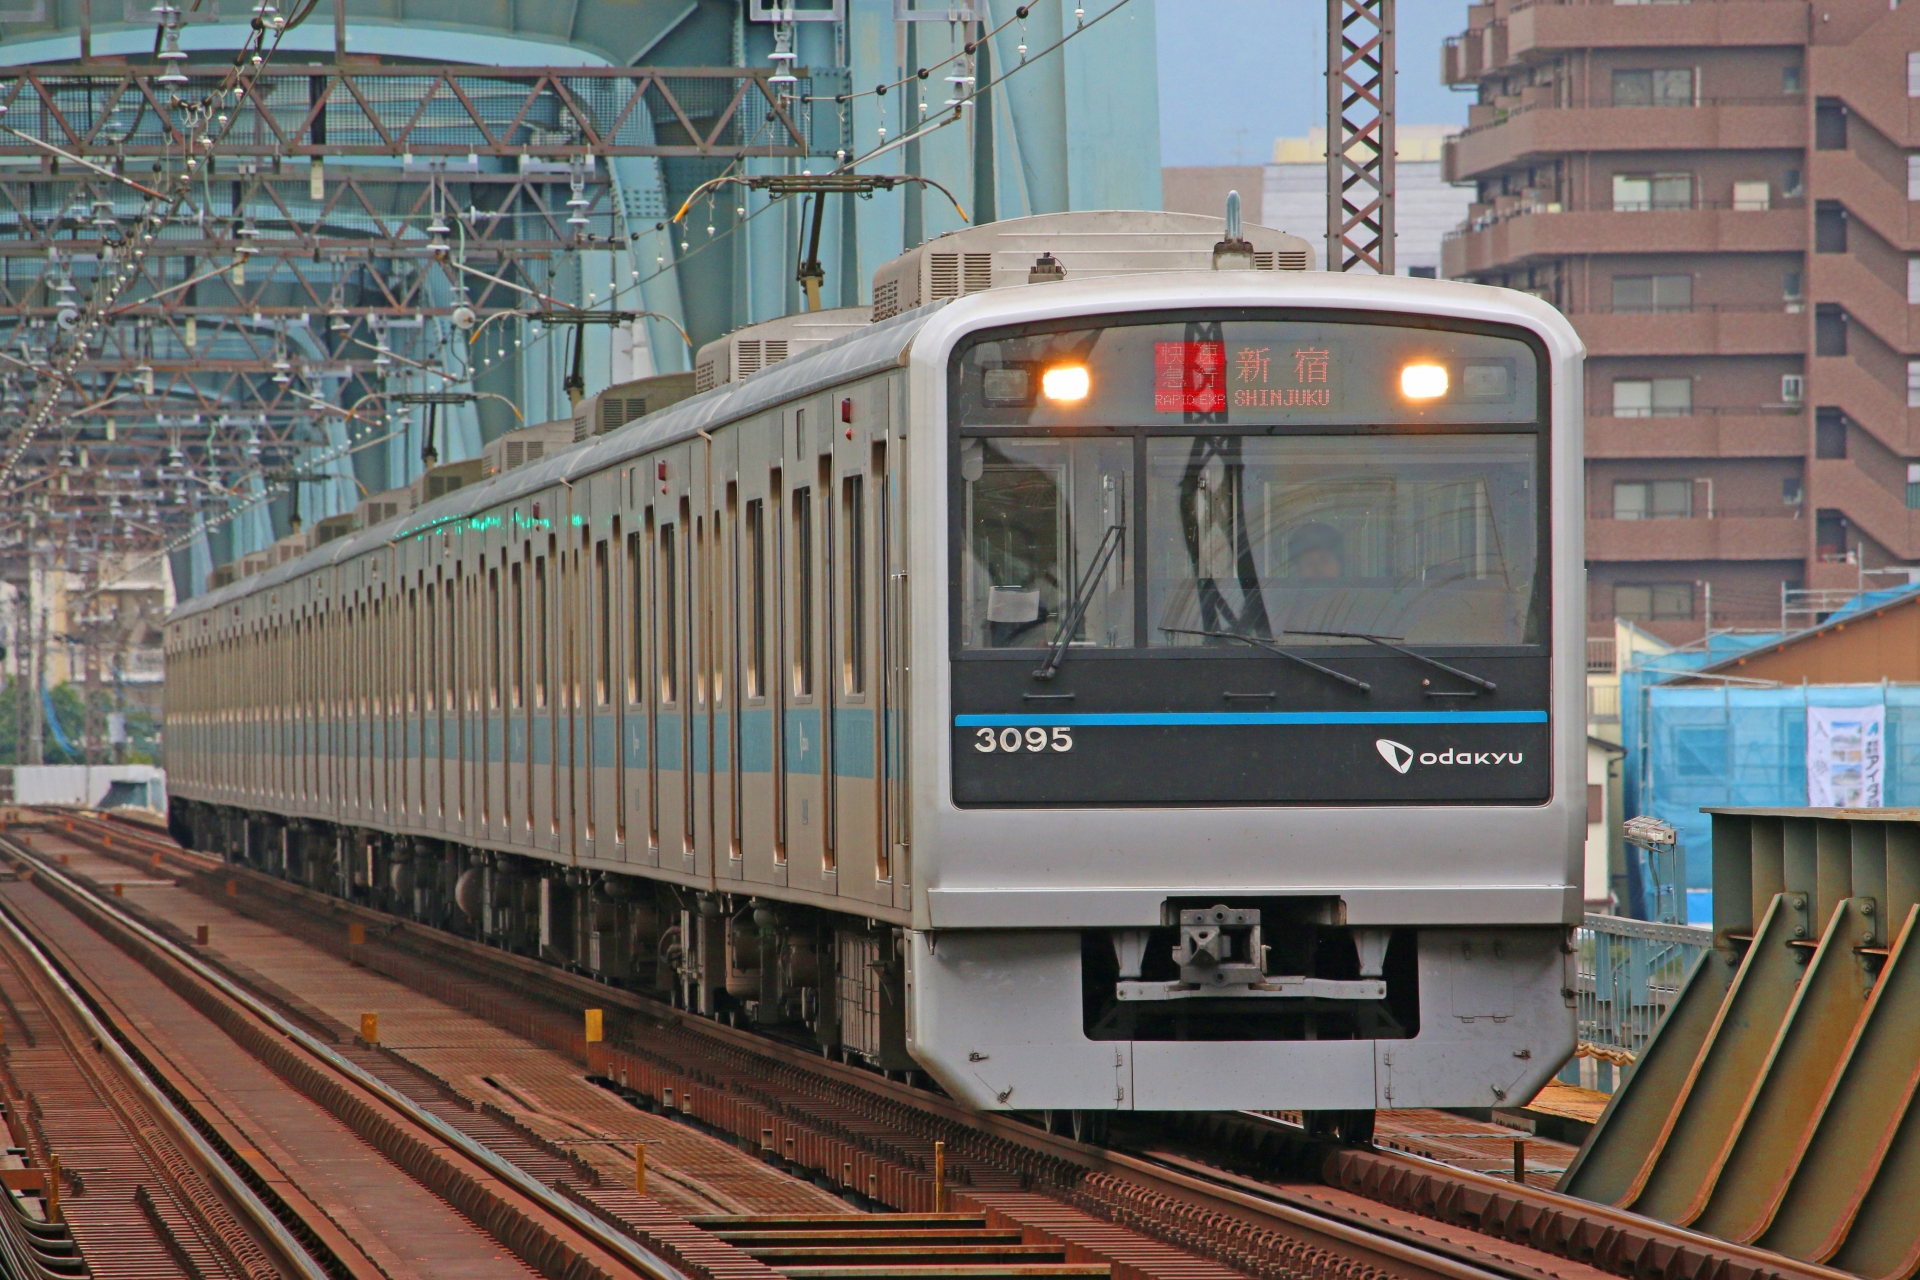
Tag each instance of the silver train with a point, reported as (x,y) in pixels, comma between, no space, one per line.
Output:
(1157,688)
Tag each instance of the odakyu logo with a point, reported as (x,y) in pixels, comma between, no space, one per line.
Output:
(1400,757)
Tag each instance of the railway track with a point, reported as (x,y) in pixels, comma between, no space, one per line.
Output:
(1214,1197)
(141,1193)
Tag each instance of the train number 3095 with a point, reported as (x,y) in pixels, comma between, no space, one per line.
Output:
(1023,740)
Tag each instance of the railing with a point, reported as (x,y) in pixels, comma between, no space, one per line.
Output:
(1629,974)
(1600,658)
(1536,208)
(1708,411)
(1603,703)
(1502,114)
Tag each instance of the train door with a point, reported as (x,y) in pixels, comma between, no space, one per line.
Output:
(805,747)
(493,803)
(892,535)
(603,685)
(673,719)
(702,655)
(519,798)
(448,825)
(720,815)
(586,559)
(571,794)
(545,752)
(640,689)
(414,781)
(759,682)
(859,478)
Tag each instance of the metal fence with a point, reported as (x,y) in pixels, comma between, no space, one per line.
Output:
(1630,972)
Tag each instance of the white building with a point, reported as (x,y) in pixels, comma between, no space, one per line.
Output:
(1425,208)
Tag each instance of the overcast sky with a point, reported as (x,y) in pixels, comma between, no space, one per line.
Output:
(1236,74)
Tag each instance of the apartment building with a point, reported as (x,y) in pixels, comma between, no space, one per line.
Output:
(1720,195)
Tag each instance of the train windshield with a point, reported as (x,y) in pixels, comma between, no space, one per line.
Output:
(1429,539)
(1186,484)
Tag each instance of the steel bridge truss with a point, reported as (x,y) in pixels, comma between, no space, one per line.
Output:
(365,206)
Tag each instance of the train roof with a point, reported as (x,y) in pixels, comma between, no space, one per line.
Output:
(876,347)
(879,346)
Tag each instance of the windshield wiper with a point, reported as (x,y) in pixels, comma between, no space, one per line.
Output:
(1386,642)
(1077,607)
(1262,642)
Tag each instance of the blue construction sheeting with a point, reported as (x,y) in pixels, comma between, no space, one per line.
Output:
(1659,888)
(1747,746)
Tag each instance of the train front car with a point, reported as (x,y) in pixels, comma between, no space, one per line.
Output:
(1257,773)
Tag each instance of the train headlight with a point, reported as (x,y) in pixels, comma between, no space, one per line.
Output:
(1067,383)
(1423,381)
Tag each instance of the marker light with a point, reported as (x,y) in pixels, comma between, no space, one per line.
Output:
(1067,382)
(1423,381)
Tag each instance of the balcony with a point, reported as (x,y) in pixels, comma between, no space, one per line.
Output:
(1722,433)
(1529,133)
(1881,410)
(1703,331)
(1543,28)
(1720,538)
(1538,232)
(1547,27)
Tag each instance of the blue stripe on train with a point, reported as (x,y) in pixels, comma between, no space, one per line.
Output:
(1158,719)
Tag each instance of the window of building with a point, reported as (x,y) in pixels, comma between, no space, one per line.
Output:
(1791,183)
(1792,493)
(1790,79)
(1653,601)
(1913,384)
(1640,192)
(1913,485)
(1913,281)
(1652,499)
(1752,197)
(1913,75)
(1652,397)
(1792,288)
(1653,293)
(1666,87)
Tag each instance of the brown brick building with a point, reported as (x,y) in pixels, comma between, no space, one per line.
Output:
(1721,197)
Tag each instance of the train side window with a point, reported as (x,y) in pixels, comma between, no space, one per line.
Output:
(450,632)
(517,609)
(699,650)
(636,594)
(603,626)
(802,592)
(853,521)
(667,575)
(756,646)
(541,608)
(493,639)
(430,687)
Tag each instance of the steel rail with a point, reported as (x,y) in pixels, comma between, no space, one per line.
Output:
(1247,1201)
(260,1217)
(641,1259)
(1221,1190)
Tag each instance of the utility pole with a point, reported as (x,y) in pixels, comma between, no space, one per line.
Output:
(1360,135)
